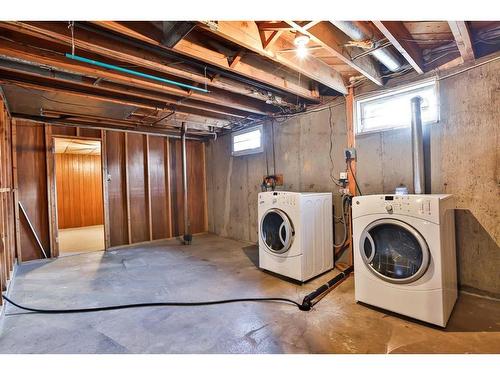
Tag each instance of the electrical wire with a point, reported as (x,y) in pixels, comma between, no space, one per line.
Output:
(151,304)
(353,176)
(334,180)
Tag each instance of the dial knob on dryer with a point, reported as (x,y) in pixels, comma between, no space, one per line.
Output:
(388,207)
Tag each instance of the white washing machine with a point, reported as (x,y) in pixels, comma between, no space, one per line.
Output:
(295,233)
(404,254)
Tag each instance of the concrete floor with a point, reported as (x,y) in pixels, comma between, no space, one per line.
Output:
(215,268)
(80,240)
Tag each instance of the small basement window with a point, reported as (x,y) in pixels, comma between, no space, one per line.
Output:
(393,110)
(247,141)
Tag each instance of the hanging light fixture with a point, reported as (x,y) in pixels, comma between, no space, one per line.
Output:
(300,41)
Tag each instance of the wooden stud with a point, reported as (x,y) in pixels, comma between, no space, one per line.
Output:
(105,195)
(351,142)
(400,37)
(127,189)
(16,191)
(148,189)
(168,172)
(205,198)
(51,192)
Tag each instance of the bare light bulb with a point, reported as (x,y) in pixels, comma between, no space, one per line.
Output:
(302,51)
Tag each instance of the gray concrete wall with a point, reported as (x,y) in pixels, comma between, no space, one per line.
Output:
(463,159)
(302,146)
(462,156)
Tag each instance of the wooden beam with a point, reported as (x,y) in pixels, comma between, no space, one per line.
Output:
(186,106)
(222,91)
(246,34)
(198,52)
(274,26)
(399,36)
(326,35)
(78,91)
(351,142)
(273,38)
(463,39)
(236,59)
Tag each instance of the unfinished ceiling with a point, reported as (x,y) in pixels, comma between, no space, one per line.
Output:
(77,146)
(214,75)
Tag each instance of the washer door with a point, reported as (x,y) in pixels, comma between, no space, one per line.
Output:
(394,251)
(276,231)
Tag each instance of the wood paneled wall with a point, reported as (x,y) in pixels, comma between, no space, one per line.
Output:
(196,187)
(117,190)
(31,153)
(145,187)
(79,190)
(142,186)
(7,208)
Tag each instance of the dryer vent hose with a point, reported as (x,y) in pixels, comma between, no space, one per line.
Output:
(308,303)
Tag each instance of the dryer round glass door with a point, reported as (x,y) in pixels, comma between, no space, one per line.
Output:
(394,251)
(276,231)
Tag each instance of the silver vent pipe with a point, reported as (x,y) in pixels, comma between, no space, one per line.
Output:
(355,32)
(417,146)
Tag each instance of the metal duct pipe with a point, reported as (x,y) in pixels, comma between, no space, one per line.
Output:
(417,146)
(385,56)
(187,227)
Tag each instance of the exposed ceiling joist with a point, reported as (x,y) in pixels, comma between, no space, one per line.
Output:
(463,39)
(80,91)
(398,35)
(325,34)
(246,34)
(112,87)
(201,53)
(108,125)
(93,43)
(47,58)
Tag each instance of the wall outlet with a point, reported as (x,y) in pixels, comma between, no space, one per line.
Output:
(279,179)
(343,176)
(350,153)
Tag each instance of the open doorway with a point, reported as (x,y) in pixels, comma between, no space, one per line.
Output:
(79,196)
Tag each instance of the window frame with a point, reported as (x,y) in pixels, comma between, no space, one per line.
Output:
(394,92)
(250,151)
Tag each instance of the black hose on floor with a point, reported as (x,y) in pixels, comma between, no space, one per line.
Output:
(149,304)
(306,304)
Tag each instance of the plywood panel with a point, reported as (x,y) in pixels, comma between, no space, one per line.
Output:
(158,172)
(117,198)
(137,177)
(90,133)
(196,187)
(84,206)
(63,130)
(7,230)
(32,185)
